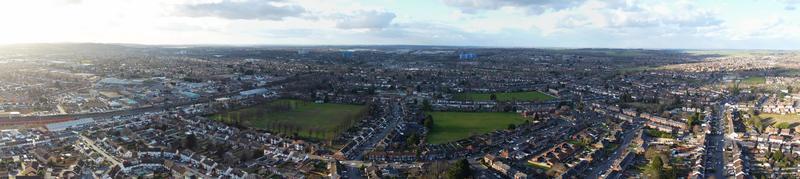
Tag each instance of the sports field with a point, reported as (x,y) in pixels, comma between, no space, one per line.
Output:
(307,119)
(754,80)
(453,126)
(777,119)
(519,96)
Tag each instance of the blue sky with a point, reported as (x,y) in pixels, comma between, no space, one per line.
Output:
(711,24)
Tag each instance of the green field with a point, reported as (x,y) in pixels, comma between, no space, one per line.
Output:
(519,96)
(730,52)
(636,69)
(754,80)
(658,134)
(777,119)
(453,126)
(625,53)
(306,119)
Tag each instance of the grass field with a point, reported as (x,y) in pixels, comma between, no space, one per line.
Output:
(754,80)
(519,96)
(636,69)
(307,119)
(453,126)
(658,134)
(625,53)
(729,52)
(776,119)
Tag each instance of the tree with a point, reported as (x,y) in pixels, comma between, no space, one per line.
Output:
(459,170)
(493,97)
(190,142)
(693,120)
(426,105)
(657,163)
(757,123)
(677,102)
(626,98)
(220,150)
(258,153)
(783,125)
(512,126)
(428,122)
(656,168)
(735,89)
(412,140)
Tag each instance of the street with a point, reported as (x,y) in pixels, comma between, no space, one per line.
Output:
(602,170)
(393,119)
(715,142)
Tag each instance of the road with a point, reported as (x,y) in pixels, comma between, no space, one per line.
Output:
(481,171)
(352,173)
(394,118)
(715,142)
(102,152)
(351,167)
(604,167)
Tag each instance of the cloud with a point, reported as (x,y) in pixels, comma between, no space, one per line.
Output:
(790,4)
(656,18)
(250,10)
(531,6)
(417,33)
(682,16)
(365,20)
(765,27)
(72,1)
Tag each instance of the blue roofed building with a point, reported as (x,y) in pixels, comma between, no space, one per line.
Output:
(257,91)
(467,56)
(190,94)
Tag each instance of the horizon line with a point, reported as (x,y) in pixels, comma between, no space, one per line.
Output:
(379,45)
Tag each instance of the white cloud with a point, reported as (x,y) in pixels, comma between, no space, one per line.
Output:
(598,15)
(365,20)
(770,27)
(572,23)
(249,9)
(790,5)
(533,7)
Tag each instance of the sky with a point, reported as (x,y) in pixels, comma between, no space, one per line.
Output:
(652,24)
